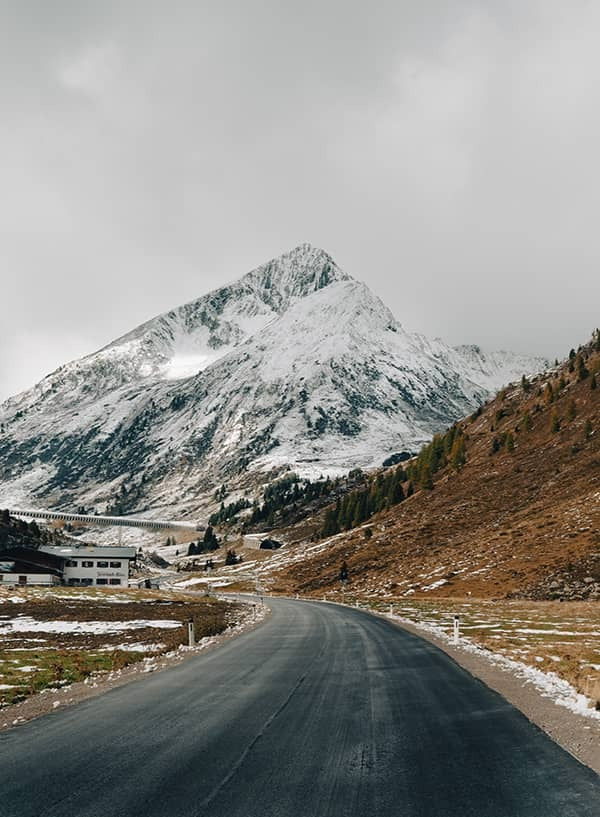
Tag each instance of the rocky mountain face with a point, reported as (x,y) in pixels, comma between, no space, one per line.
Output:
(296,364)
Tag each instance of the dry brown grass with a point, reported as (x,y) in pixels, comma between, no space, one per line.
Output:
(55,658)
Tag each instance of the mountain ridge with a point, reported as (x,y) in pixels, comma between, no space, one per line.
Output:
(294,362)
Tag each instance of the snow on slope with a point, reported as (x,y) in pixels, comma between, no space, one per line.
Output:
(294,364)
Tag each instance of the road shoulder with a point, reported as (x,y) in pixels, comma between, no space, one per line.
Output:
(577,734)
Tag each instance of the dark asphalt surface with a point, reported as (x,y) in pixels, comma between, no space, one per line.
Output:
(321,712)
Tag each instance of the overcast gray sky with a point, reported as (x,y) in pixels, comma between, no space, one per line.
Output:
(446,153)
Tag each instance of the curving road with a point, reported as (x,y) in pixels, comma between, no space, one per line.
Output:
(323,711)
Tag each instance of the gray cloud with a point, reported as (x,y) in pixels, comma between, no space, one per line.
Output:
(445,153)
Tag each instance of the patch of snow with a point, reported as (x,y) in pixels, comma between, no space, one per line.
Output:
(200,580)
(25,624)
(434,585)
(135,647)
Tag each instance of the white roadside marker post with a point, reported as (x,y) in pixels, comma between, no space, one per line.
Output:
(191,639)
(391,609)
(456,629)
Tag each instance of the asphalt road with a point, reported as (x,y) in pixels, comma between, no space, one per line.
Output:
(321,712)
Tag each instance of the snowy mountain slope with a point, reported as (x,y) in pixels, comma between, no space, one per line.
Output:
(186,340)
(294,364)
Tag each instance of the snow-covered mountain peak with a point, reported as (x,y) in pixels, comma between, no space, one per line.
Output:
(294,364)
(293,275)
(188,339)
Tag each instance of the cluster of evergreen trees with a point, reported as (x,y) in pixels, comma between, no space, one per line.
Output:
(282,498)
(444,449)
(577,362)
(209,542)
(390,488)
(227,512)
(357,506)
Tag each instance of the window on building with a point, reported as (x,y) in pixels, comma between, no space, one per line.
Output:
(87,582)
(71,563)
(101,581)
(115,581)
(73,582)
(115,564)
(87,564)
(102,564)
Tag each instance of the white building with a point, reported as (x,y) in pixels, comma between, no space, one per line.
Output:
(86,565)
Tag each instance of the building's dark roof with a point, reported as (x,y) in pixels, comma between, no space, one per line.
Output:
(28,560)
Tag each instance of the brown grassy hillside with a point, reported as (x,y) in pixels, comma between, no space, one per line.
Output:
(521,516)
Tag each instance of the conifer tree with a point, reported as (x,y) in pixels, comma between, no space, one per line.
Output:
(210,540)
(330,525)
(458,454)
(426,480)
(361,512)
(397,490)
(582,370)
(554,423)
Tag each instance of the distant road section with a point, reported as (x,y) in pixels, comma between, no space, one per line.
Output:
(323,711)
(119,521)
